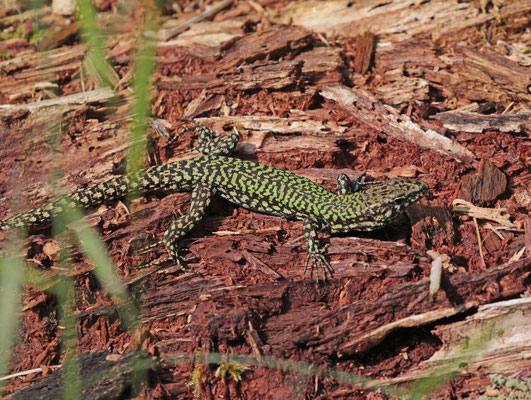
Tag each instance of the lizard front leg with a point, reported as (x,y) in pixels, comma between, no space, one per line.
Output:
(315,252)
(201,198)
(347,186)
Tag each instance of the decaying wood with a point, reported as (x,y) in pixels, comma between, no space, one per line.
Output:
(364,46)
(507,351)
(257,45)
(274,75)
(368,109)
(342,331)
(269,124)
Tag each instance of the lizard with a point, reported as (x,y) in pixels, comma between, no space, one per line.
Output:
(357,206)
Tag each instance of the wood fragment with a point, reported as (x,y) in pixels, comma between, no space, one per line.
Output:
(368,109)
(45,59)
(497,215)
(476,123)
(208,34)
(392,21)
(527,236)
(268,124)
(93,96)
(404,89)
(435,276)
(364,47)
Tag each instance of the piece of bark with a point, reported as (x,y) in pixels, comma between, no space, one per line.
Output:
(203,104)
(490,67)
(259,45)
(404,90)
(321,65)
(272,75)
(210,34)
(476,123)
(486,185)
(364,48)
(481,75)
(498,215)
(369,110)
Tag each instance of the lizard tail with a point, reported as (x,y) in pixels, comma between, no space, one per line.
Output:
(85,198)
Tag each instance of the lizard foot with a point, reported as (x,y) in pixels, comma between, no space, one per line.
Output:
(319,259)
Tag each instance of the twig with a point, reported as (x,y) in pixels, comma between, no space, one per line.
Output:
(171,32)
(479,242)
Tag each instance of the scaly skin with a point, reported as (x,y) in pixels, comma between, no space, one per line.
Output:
(356,206)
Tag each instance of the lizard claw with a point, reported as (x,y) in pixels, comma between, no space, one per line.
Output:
(318,259)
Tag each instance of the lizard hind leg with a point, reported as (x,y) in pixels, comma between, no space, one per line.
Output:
(201,198)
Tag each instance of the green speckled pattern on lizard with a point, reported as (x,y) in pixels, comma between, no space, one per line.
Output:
(356,206)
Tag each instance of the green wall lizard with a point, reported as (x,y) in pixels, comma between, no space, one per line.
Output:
(356,206)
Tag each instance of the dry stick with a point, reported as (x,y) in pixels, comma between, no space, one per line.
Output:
(169,33)
(93,96)
(479,243)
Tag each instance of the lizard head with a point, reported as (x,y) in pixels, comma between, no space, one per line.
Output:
(374,205)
